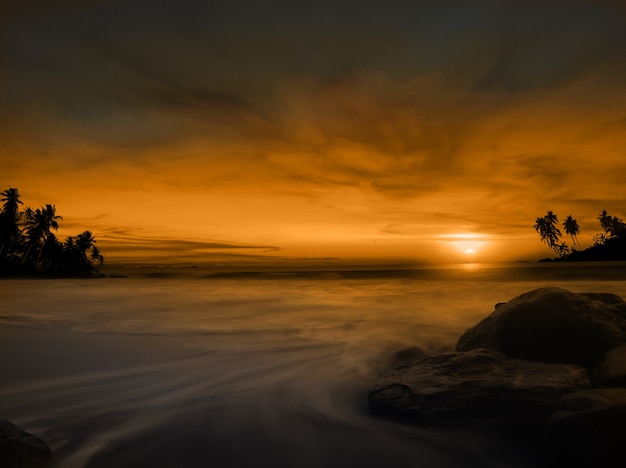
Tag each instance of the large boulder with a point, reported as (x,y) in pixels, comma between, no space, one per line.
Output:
(587,430)
(607,298)
(19,449)
(526,366)
(552,325)
(478,387)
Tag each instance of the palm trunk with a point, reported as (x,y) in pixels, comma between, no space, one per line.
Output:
(30,247)
(43,245)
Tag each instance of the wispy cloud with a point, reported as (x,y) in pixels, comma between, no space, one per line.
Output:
(326,118)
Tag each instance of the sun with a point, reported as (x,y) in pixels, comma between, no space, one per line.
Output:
(466,247)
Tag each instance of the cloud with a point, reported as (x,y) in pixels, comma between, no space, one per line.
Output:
(126,243)
(397,139)
(322,120)
(12,9)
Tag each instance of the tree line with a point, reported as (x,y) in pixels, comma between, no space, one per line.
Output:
(608,244)
(28,245)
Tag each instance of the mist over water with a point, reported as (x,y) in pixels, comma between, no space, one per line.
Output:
(190,368)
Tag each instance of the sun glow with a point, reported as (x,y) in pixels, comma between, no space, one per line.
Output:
(466,244)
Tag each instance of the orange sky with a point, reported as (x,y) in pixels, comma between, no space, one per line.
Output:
(330,133)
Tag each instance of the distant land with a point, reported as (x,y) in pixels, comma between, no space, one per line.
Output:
(613,249)
(609,244)
(28,247)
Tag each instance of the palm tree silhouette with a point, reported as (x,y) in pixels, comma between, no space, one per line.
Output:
(96,256)
(606,221)
(29,246)
(572,229)
(76,250)
(9,218)
(11,200)
(541,228)
(547,227)
(84,242)
(38,229)
(612,225)
(29,215)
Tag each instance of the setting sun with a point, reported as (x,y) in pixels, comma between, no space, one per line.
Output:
(466,244)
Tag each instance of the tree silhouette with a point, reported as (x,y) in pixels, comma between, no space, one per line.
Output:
(611,225)
(9,219)
(29,215)
(605,221)
(84,243)
(24,234)
(96,256)
(609,244)
(38,230)
(547,228)
(11,200)
(570,225)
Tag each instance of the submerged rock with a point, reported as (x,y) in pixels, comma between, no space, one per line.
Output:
(552,325)
(476,387)
(587,430)
(19,449)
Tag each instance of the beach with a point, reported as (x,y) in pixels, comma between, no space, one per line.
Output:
(189,368)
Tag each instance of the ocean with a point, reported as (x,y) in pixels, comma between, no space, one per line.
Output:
(192,367)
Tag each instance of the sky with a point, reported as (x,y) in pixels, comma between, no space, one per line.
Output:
(315,132)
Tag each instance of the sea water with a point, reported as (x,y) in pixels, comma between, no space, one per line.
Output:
(182,367)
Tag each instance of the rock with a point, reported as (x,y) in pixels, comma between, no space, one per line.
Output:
(620,309)
(612,369)
(587,430)
(523,368)
(552,325)
(19,449)
(478,387)
(406,355)
(607,298)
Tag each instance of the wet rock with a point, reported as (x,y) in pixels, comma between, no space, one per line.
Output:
(620,309)
(478,387)
(406,355)
(607,298)
(612,368)
(552,325)
(19,449)
(587,430)
(526,366)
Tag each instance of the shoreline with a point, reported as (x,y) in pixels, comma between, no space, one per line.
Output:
(520,271)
